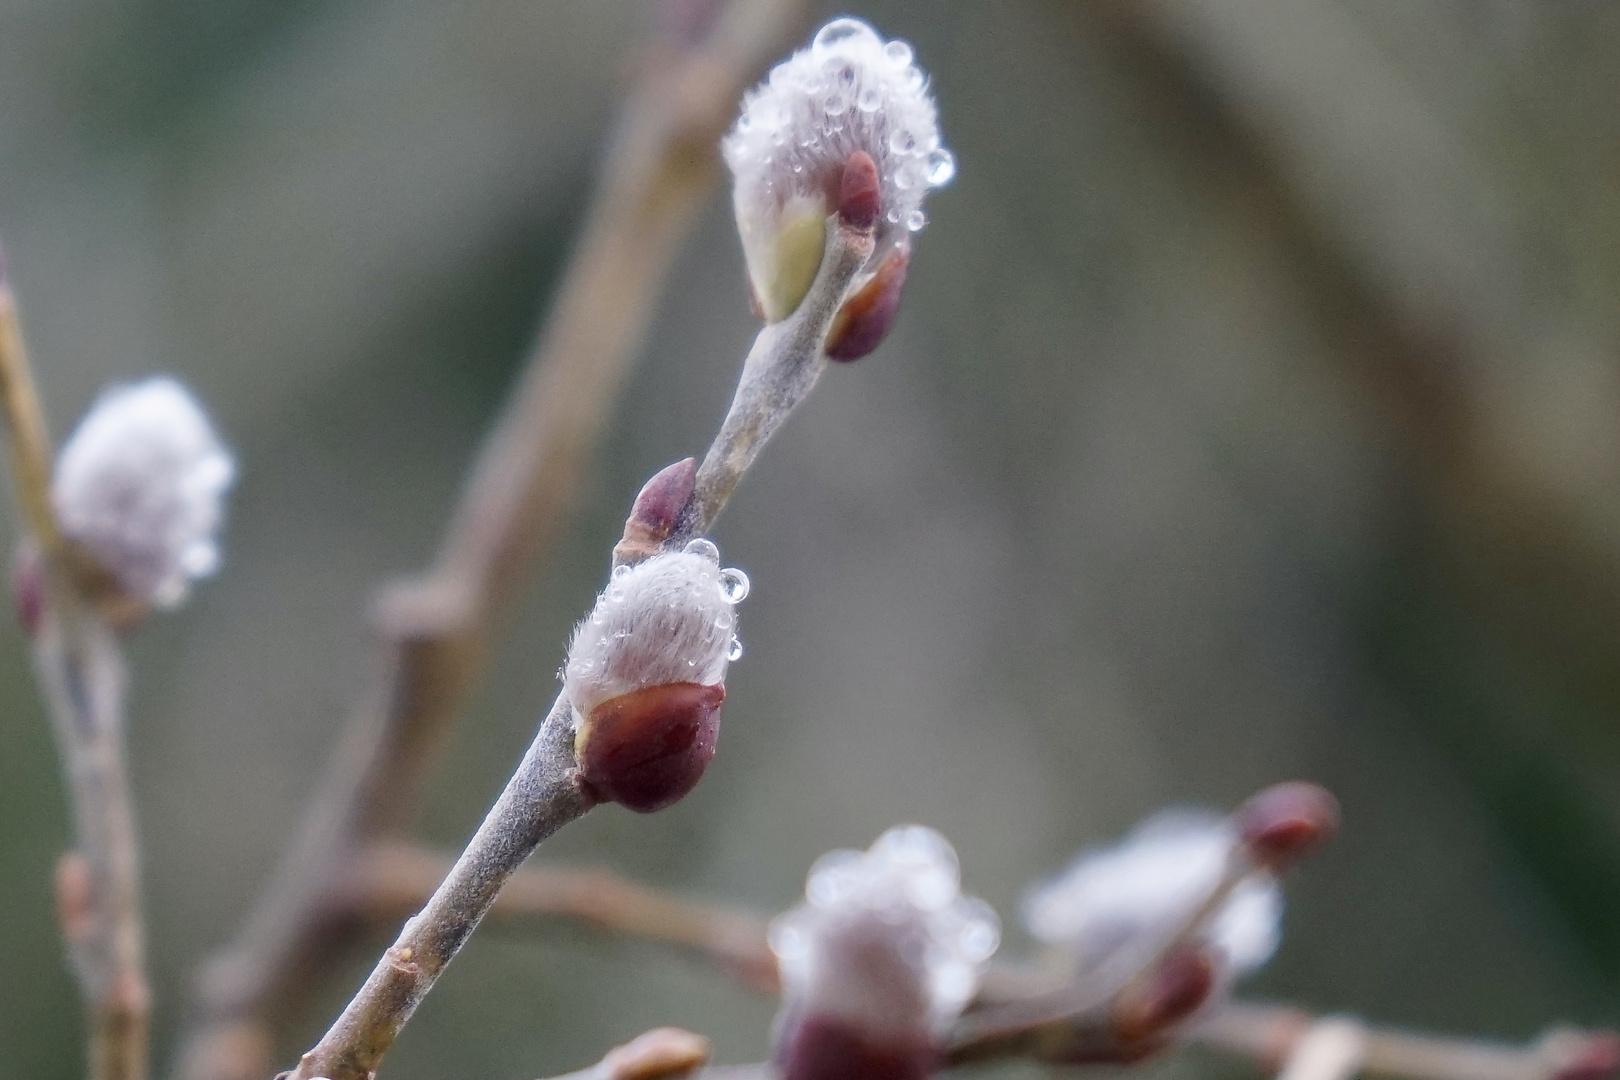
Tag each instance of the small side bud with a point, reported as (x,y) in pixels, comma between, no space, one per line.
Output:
(864,321)
(1177,989)
(139,488)
(846,125)
(656,1055)
(75,898)
(879,961)
(646,675)
(655,512)
(1135,895)
(1333,1048)
(28,586)
(1286,822)
(860,199)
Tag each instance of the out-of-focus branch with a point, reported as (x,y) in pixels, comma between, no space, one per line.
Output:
(547,792)
(80,670)
(1054,1016)
(28,443)
(659,172)
(1270,1034)
(78,664)
(391,880)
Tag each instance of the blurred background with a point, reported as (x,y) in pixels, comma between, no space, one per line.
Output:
(1254,413)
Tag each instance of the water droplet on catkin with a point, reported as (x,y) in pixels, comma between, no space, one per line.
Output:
(704,547)
(733,585)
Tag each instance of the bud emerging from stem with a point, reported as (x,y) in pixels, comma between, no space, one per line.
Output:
(656,511)
(879,961)
(845,125)
(1286,822)
(646,675)
(140,487)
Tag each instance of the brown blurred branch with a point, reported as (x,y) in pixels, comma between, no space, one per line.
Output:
(391,880)
(80,670)
(1269,1034)
(660,170)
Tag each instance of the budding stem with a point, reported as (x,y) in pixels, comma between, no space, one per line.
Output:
(781,369)
(543,795)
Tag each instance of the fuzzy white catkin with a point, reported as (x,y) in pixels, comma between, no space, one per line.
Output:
(140,485)
(669,619)
(1142,888)
(848,91)
(885,938)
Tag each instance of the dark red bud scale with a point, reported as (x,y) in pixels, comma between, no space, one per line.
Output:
(860,194)
(1286,822)
(646,749)
(1599,1059)
(1178,989)
(825,1047)
(864,321)
(28,586)
(655,512)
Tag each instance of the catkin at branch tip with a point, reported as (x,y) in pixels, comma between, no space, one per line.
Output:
(848,91)
(140,485)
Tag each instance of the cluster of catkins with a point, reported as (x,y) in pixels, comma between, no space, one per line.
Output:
(885,954)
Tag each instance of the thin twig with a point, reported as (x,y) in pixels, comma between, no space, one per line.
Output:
(79,666)
(81,674)
(780,371)
(1268,1035)
(546,793)
(28,443)
(660,170)
(543,795)
(391,880)
(1009,1028)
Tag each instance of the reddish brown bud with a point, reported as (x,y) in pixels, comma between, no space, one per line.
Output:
(658,1054)
(655,512)
(1286,822)
(823,1047)
(646,749)
(75,897)
(860,193)
(28,586)
(1178,989)
(1598,1059)
(864,320)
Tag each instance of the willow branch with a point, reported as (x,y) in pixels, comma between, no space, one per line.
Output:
(543,795)
(1270,1034)
(28,444)
(79,667)
(392,880)
(659,173)
(546,792)
(80,671)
